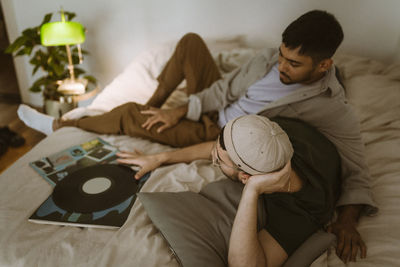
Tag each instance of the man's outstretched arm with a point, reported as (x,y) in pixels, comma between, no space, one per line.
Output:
(152,162)
(349,240)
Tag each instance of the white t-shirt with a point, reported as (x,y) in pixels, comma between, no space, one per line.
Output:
(266,90)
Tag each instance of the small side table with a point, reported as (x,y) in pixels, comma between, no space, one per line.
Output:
(64,102)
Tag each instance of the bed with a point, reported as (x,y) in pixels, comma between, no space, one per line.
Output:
(372,88)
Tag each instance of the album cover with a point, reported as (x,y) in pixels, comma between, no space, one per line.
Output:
(113,218)
(94,196)
(57,166)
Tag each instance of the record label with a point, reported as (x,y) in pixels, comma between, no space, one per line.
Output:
(96,185)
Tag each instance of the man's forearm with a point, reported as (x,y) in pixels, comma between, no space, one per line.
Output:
(244,246)
(187,154)
(349,213)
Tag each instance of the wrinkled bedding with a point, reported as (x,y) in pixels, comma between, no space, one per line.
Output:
(372,88)
(374,91)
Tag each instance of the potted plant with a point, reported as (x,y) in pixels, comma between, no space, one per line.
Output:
(52,60)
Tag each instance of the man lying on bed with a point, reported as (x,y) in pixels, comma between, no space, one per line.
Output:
(299,184)
(297,80)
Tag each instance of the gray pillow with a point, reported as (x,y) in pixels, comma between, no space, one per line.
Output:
(311,249)
(197,226)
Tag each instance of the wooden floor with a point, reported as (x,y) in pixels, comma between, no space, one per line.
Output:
(9,101)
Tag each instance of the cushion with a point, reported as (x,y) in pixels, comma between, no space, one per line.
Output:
(197,226)
(311,249)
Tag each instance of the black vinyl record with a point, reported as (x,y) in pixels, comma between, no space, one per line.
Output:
(95,188)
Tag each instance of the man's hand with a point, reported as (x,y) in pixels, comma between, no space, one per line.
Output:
(146,162)
(270,182)
(349,240)
(168,117)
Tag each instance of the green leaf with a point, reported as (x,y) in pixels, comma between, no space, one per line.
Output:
(59,53)
(40,58)
(37,40)
(69,15)
(35,61)
(91,79)
(35,89)
(46,18)
(79,72)
(30,33)
(50,59)
(40,81)
(9,49)
(20,53)
(38,84)
(28,50)
(75,59)
(60,57)
(58,69)
(35,69)
(75,50)
(20,41)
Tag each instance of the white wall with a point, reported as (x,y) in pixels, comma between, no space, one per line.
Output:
(119,30)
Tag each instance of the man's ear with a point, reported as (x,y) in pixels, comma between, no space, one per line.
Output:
(244,177)
(325,65)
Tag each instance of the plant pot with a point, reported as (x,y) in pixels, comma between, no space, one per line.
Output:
(56,104)
(35,99)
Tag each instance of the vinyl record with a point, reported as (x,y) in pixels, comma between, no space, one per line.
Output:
(95,188)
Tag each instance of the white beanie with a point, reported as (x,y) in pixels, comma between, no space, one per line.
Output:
(256,144)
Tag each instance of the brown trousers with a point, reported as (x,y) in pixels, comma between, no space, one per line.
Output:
(191,61)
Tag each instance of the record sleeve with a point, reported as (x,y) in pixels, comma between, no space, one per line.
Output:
(95,196)
(55,167)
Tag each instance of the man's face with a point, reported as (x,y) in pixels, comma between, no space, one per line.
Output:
(297,68)
(221,159)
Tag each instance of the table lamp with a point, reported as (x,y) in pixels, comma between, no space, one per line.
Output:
(66,33)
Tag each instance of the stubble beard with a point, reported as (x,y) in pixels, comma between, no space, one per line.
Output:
(306,80)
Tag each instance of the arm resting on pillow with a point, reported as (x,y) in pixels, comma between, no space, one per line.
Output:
(247,247)
(152,162)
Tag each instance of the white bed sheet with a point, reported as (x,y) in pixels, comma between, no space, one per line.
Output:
(373,89)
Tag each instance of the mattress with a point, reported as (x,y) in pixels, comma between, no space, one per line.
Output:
(373,89)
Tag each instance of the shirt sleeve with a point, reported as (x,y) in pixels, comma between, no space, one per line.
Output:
(194,108)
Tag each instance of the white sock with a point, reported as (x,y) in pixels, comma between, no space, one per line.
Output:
(36,120)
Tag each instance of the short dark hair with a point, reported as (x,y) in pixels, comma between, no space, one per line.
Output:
(317,33)
(221,139)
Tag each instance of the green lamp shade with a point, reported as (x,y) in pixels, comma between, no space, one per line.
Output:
(62,33)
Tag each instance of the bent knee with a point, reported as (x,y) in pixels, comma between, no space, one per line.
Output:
(191,37)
